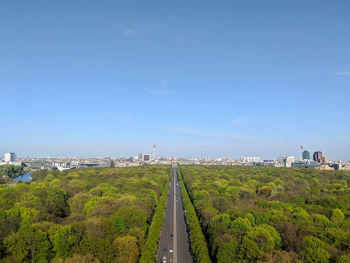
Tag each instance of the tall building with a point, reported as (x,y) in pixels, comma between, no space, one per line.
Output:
(318,156)
(10,157)
(325,159)
(306,155)
(289,160)
(144,157)
(279,162)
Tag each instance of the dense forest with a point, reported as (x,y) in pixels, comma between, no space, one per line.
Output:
(266,214)
(11,171)
(85,215)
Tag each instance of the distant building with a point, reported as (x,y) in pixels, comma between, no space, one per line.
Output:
(306,155)
(279,162)
(144,157)
(325,168)
(268,163)
(306,164)
(325,159)
(10,157)
(318,156)
(250,159)
(336,166)
(288,161)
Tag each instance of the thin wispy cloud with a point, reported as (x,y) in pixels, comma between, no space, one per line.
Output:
(163,88)
(133,29)
(208,134)
(165,82)
(342,73)
(240,121)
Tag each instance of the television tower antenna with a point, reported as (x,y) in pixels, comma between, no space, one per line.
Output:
(154,151)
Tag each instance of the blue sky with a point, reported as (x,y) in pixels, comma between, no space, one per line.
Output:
(200,78)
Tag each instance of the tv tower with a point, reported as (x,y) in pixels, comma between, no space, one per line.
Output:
(154,152)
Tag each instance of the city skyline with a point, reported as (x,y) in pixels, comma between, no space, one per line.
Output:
(303,155)
(200,79)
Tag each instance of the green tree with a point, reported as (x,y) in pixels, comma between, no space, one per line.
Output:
(241,224)
(130,216)
(126,249)
(219,224)
(337,216)
(64,242)
(99,248)
(228,253)
(276,236)
(200,195)
(343,259)
(256,243)
(29,244)
(78,259)
(314,250)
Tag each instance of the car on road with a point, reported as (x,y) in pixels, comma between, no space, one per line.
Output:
(164,260)
(171,236)
(166,234)
(171,250)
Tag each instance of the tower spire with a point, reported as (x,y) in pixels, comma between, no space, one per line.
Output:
(154,151)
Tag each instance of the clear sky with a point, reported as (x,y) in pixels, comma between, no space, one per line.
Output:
(199,78)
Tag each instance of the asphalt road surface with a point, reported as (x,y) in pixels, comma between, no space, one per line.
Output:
(174,242)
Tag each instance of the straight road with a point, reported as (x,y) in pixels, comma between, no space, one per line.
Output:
(174,243)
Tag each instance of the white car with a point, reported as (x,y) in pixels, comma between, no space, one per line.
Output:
(164,260)
(171,250)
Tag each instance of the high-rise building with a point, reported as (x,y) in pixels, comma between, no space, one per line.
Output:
(306,155)
(10,157)
(325,159)
(318,156)
(289,160)
(144,157)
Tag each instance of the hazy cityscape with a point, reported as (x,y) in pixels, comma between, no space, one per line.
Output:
(316,161)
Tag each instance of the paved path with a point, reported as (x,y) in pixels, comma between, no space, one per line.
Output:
(174,233)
